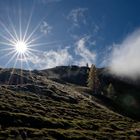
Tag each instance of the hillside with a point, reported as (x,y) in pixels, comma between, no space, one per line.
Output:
(127,91)
(55,104)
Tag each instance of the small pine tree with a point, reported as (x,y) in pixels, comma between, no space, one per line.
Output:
(93,81)
(110,91)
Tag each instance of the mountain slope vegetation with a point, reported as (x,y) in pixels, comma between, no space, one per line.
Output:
(55,104)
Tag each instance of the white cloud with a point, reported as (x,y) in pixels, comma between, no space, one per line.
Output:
(125,58)
(45,28)
(77,16)
(86,55)
(80,56)
(49,59)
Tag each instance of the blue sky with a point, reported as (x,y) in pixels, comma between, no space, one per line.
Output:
(68,32)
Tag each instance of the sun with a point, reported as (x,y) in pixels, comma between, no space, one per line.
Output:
(21,47)
(18,41)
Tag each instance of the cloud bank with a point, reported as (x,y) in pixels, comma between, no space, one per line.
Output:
(49,59)
(125,57)
(81,55)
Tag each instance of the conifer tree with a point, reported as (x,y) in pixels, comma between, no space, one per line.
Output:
(93,81)
(110,91)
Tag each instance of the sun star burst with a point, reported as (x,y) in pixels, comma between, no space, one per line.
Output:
(17,42)
(21,47)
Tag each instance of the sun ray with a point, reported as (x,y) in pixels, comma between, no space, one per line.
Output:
(30,53)
(5,43)
(35,29)
(14,55)
(7,39)
(28,65)
(13,69)
(43,44)
(20,21)
(12,52)
(10,59)
(35,39)
(6,29)
(28,23)
(34,50)
(21,73)
(8,49)
(13,27)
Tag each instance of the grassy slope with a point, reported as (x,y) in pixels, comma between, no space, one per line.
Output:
(56,111)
